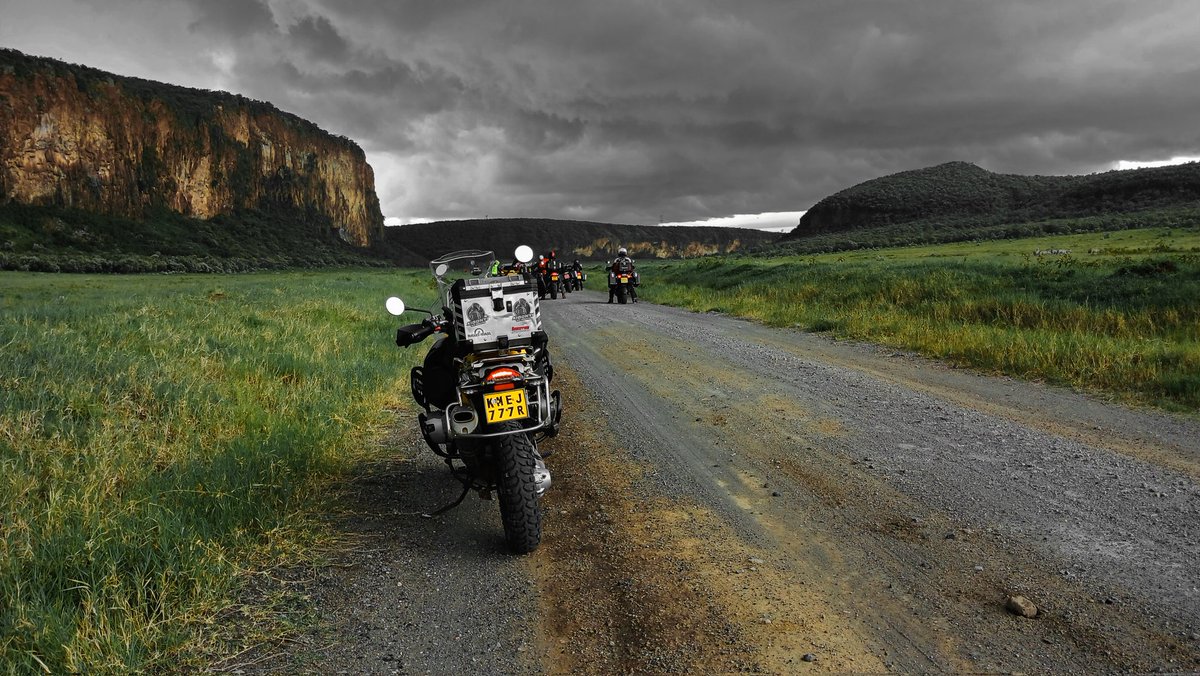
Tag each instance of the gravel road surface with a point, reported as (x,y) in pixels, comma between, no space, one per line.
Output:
(731,497)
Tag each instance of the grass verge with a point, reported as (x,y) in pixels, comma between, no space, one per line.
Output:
(1115,312)
(160,436)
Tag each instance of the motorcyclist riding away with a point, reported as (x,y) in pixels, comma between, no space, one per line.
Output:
(540,273)
(622,263)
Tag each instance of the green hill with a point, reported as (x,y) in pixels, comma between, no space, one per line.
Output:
(957,201)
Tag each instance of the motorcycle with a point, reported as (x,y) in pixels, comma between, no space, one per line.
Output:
(555,284)
(623,283)
(577,279)
(485,387)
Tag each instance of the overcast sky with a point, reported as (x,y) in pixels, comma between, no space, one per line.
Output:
(641,111)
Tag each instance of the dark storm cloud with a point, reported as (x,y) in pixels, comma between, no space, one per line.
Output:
(319,37)
(631,110)
(237,18)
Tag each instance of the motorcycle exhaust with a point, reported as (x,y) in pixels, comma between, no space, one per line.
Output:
(463,421)
(434,429)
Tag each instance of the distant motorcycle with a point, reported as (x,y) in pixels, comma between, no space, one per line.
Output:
(622,284)
(485,387)
(554,283)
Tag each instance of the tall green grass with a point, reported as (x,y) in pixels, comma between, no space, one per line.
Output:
(161,434)
(1120,314)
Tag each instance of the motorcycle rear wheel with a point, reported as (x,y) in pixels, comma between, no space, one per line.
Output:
(516,455)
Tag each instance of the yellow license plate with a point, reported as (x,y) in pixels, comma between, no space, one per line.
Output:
(624,280)
(501,406)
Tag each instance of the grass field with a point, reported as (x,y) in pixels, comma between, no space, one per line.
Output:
(162,435)
(1118,314)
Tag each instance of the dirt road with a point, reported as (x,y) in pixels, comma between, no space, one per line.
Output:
(874,510)
(729,497)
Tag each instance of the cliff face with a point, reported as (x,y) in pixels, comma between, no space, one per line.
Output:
(72,136)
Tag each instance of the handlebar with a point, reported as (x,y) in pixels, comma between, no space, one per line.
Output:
(411,334)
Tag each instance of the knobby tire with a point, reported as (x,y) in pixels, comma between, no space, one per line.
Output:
(519,509)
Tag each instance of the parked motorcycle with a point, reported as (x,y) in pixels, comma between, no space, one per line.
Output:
(485,387)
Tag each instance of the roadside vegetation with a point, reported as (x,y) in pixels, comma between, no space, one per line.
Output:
(1115,313)
(163,436)
(55,239)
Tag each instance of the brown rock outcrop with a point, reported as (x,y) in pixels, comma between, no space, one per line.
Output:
(73,136)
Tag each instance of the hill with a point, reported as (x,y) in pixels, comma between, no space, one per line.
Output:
(104,173)
(957,200)
(419,243)
(100,164)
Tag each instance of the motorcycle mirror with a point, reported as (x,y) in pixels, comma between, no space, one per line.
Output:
(524,253)
(395,306)
(441,269)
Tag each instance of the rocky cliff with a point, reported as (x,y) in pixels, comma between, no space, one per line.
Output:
(80,138)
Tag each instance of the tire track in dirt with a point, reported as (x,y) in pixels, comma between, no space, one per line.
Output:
(630,580)
(788,470)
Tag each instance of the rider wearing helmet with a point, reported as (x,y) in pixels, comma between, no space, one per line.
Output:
(622,263)
(577,267)
(541,275)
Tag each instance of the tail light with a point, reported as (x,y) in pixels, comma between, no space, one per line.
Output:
(502,378)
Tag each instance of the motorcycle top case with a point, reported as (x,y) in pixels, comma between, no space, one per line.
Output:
(486,309)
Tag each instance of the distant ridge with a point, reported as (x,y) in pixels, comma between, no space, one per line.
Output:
(959,200)
(586,240)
